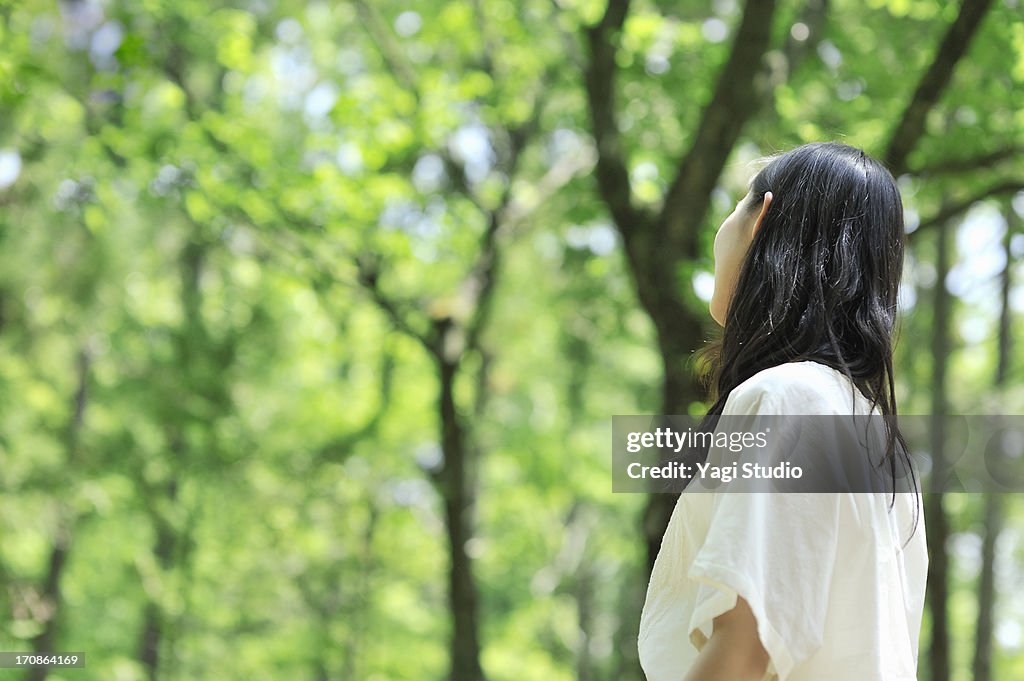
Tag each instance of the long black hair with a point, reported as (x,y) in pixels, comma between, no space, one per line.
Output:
(820,281)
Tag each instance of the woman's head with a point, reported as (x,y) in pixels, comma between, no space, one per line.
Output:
(807,267)
(809,263)
(832,238)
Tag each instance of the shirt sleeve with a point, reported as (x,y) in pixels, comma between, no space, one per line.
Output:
(774,549)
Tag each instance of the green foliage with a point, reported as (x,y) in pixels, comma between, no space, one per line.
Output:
(202,401)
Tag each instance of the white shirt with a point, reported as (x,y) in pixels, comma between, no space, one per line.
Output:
(835,592)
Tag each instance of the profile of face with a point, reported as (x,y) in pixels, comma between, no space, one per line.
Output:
(731,244)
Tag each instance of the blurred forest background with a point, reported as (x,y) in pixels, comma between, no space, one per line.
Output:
(314,315)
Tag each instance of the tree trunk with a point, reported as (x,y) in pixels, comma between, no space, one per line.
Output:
(359,614)
(46,640)
(193,346)
(456,482)
(584,589)
(679,333)
(993,519)
(153,623)
(936,520)
(982,665)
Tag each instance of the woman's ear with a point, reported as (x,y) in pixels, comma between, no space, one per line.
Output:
(768,196)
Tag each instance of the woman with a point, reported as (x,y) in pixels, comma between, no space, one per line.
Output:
(786,585)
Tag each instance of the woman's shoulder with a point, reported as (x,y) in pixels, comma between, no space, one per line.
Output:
(806,387)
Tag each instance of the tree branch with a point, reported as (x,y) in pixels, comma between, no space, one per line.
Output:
(599,76)
(554,179)
(489,49)
(457,172)
(735,99)
(952,48)
(340,447)
(964,165)
(481,282)
(389,51)
(952,209)
(368,275)
(367,272)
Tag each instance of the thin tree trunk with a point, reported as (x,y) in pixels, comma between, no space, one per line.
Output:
(993,520)
(584,592)
(359,616)
(982,665)
(1005,313)
(46,640)
(679,334)
(937,522)
(157,638)
(457,486)
(153,623)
